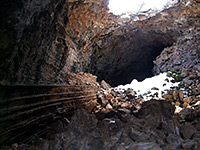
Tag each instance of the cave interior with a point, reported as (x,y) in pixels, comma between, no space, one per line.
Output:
(52,53)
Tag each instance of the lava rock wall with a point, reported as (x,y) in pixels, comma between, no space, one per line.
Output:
(50,39)
(185,53)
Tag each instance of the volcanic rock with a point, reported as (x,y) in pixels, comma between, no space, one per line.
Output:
(49,39)
(108,130)
(48,46)
(105,85)
(109,107)
(187,100)
(187,131)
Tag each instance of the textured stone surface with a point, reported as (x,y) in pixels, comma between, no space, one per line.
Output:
(185,53)
(47,41)
(53,38)
(29,110)
(119,119)
(85,131)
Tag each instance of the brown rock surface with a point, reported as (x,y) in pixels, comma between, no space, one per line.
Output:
(184,53)
(54,38)
(27,110)
(45,43)
(187,131)
(115,130)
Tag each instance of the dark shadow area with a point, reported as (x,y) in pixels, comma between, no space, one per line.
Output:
(138,69)
(130,57)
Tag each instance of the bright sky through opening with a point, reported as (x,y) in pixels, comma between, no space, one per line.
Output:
(118,7)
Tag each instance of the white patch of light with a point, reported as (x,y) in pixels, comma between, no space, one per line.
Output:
(160,81)
(118,7)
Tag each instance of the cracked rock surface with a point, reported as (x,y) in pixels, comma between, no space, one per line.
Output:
(43,41)
(154,127)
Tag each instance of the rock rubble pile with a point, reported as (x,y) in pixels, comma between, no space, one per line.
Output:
(185,95)
(124,121)
(153,127)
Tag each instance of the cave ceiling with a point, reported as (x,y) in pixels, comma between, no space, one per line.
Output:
(53,38)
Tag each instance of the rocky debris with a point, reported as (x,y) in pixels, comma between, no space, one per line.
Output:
(154,127)
(187,131)
(105,85)
(52,39)
(81,78)
(186,95)
(123,120)
(112,100)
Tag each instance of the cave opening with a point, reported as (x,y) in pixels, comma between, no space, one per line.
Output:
(130,57)
(129,53)
(139,69)
(119,7)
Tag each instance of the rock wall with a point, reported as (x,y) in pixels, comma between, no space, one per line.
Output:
(53,38)
(185,53)
(43,42)
(29,110)
(41,45)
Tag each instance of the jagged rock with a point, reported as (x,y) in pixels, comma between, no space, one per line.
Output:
(102,100)
(181,95)
(45,42)
(184,73)
(122,110)
(174,140)
(156,112)
(188,145)
(156,108)
(124,105)
(197,103)
(185,105)
(175,95)
(187,81)
(187,131)
(138,136)
(177,109)
(15,146)
(167,96)
(105,85)
(109,107)
(109,96)
(188,114)
(90,105)
(177,103)
(187,100)
(130,93)
(114,100)
(145,146)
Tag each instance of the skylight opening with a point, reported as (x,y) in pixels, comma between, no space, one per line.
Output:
(119,7)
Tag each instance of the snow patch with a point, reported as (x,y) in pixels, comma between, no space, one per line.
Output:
(150,86)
